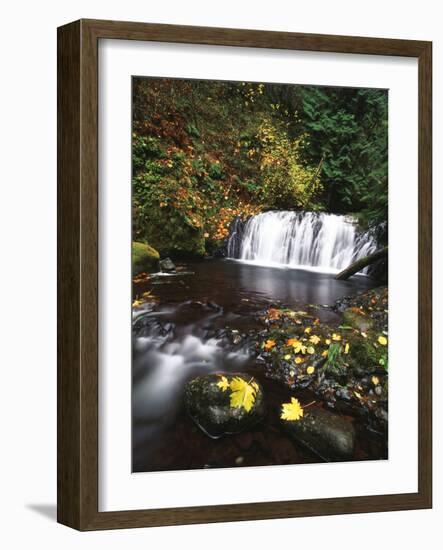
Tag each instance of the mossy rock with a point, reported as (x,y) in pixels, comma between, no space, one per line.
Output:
(363,356)
(356,318)
(144,258)
(326,352)
(209,404)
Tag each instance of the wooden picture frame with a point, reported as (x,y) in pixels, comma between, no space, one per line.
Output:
(78,274)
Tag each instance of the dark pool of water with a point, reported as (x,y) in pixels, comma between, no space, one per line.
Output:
(225,282)
(203,297)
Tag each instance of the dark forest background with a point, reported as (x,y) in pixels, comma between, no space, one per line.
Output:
(205,152)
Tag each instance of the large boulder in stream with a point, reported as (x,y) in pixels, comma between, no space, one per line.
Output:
(144,258)
(328,435)
(224,403)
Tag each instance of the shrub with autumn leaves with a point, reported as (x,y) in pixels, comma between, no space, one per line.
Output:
(205,153)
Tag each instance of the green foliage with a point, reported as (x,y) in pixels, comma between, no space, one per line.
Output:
(375,201)
(348,129)
(334,359)
(215,171)
(207,151)
(193,130)
(364,353)
(287,183)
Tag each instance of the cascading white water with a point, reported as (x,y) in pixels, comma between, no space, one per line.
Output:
(163,361)
(327,242)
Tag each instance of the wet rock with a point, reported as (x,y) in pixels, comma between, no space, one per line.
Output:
(219,251)
(356,318)
(209,405)
(144,258)
(343,393)
(382,416)
(167,265)
(328,435)
(168,328)
(236,339)
(373,303)
(214,306)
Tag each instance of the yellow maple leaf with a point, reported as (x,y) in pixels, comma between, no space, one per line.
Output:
(347,347)
(315,339)
(223,384)
(327,341)
(292,410)
(243,394)
(308,330)
(310,350)
(298,360)
(375,380)
(298,346)
(136,303)
(310,370)
(336,337)
(287,356)
(382,340)
(324,353)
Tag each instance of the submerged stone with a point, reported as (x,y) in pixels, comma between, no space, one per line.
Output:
(209,402)
(328,435)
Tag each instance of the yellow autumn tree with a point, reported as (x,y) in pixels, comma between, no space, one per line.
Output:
(287,183)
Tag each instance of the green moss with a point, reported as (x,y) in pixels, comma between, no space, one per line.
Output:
(144,257)
(356,318)
(172,235)
(362,353)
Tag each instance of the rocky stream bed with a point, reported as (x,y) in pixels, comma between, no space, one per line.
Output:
(237,365)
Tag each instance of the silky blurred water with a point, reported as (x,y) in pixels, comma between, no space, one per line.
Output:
(326,242)
(177,337)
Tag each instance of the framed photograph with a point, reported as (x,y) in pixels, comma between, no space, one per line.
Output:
(244,275)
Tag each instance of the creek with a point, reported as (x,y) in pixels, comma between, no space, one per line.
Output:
(197,322)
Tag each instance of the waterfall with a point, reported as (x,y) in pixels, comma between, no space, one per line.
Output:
(326,242)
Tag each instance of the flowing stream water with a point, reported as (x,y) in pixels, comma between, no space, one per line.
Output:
(196,317)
